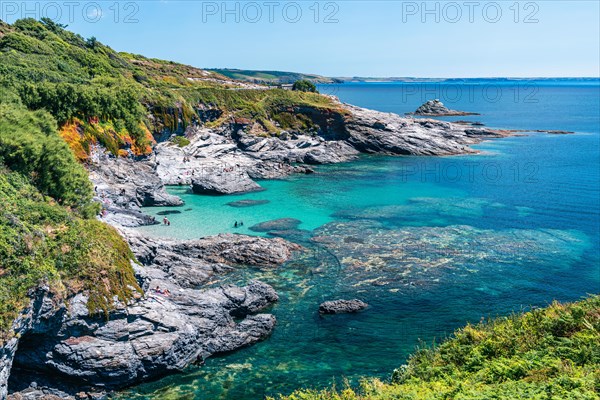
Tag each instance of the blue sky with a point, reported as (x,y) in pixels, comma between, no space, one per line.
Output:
(348,38)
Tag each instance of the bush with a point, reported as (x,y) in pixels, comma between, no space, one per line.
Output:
(180,141)
(304,86)
(30,145)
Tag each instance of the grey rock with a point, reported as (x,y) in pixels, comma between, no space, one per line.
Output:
(384,133)
(158,333)
(342,306)
(435,108)
(224,182)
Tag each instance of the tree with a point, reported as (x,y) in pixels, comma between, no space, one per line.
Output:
(92,42)
(304,86)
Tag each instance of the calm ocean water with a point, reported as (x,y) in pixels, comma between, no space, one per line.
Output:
(430,243)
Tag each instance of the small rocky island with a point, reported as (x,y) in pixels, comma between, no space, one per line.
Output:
(435,108)
(342,306)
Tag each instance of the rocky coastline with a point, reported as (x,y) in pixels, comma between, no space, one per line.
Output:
(184,316)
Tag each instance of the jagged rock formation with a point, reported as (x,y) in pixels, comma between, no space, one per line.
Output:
(226,160)
(173,325)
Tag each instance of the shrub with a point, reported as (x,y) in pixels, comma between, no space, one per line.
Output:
(180,141)
(304,86)
(30,145)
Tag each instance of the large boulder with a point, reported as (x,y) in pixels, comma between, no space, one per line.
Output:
(224,181)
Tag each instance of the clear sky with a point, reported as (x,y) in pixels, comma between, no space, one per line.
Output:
(346,38)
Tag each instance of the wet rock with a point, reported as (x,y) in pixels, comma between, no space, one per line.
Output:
(342,306)
(247,203)
(281,224)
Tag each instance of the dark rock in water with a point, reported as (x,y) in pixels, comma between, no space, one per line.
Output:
(281,224)
(342,306)
(188,209)
(168,212)
(438,109)
(247,203)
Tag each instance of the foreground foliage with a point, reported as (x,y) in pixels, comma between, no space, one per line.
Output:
(48,234)
(551,353)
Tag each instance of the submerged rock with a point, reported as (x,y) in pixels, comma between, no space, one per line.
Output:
(342,306)
(247,203)
(168,212)
(281,224)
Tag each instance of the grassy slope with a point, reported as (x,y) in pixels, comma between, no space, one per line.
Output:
(122,100)
(551,353)
(43,242)
(269,77)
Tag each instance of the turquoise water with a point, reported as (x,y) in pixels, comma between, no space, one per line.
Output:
(429,243)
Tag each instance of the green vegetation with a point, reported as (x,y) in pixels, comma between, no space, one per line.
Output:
(43,242)
(270,77)
(304,86)
(181,141)
(30,145)
(551,353)
(48,231)
(121,100)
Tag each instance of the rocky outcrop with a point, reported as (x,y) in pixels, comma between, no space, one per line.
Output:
(225,181)
(435,108)
(385,133)
(124,185)
(176,322)
(342,306)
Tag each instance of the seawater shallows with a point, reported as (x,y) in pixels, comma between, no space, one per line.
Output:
(430,243)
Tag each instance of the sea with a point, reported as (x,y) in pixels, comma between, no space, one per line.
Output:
(430,243)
